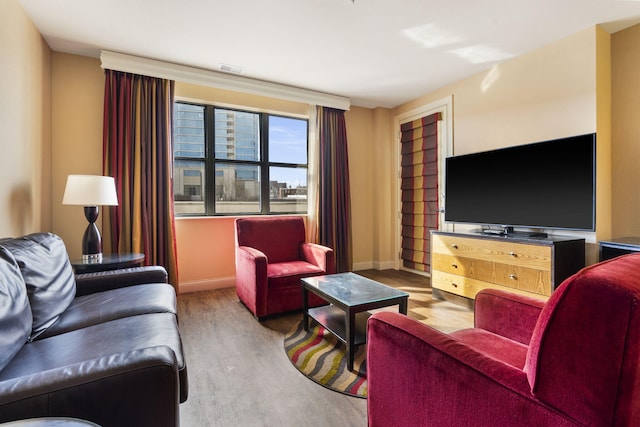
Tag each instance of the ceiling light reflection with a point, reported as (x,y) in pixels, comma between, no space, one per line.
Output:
(480,54)
(490,78)
(430,36)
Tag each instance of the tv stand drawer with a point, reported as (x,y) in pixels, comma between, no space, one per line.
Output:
(464,264)
(506,252)
(468,287)
(513,276)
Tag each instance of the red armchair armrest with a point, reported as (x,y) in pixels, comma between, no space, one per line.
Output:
(510,315)
(320,256)
(251,277)
(418,376)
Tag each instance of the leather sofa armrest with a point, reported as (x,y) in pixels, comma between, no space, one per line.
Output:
(510,315)
(106,391)
(319,255)
(88,283)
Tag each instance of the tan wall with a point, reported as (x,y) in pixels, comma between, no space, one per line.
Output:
(605,142)
(362,182)
(205,245)
(25,121)
(206,257)
(625,46)
(545,94)
(551,92)
(78,92)
(386,190)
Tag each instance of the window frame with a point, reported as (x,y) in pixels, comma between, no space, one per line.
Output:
(264,164)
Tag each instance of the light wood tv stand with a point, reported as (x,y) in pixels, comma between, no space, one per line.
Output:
(465,263)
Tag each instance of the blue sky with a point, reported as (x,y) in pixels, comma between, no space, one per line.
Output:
(287,139)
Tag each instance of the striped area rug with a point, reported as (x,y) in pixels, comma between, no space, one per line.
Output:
(322,357)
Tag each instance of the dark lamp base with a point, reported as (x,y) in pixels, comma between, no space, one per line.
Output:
(91,241)
(92,258)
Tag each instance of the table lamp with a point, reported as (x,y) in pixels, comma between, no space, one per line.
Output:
(90,191)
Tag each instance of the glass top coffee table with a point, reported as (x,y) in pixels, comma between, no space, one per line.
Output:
(350,296)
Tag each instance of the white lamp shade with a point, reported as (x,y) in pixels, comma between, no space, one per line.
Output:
(90,190)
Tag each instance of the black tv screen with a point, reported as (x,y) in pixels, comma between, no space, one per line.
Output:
(548,184)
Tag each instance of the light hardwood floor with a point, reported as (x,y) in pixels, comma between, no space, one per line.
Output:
(239,374)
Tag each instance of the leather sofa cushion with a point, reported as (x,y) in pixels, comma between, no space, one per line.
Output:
(15,315)
(97,342)
(100,307)
(48,275)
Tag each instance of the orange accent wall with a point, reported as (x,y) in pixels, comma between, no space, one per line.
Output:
(206,254)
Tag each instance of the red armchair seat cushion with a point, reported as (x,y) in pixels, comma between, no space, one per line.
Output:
(289,273)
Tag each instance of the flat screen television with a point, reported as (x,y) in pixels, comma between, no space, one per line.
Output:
(544,185)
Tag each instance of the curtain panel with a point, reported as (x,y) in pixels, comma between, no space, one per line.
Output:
(419,174)
(334,199)
(137,152)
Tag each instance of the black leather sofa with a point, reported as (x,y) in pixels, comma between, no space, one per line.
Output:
(104,347)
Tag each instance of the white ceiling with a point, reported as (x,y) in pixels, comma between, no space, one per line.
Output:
(376,52)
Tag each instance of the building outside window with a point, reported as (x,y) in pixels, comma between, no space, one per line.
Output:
(231,162)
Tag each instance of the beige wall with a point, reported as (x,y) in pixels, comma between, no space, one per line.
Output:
(362,182)
(78,86)
(604,142)
(206,257)
(545,94)
(626,132)
(548,93)
(205,245)
(386,191)
(52,109)
(25,121)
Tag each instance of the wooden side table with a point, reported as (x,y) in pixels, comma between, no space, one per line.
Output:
(109,262)
(619,246)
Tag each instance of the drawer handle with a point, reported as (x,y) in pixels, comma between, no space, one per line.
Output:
(513,277)
(454,246)
(454,285)
(454,265)
(513,254)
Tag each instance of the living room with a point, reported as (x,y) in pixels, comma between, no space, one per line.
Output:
(52,115)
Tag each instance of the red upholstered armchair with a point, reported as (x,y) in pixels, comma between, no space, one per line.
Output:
(572,361)
(272,255)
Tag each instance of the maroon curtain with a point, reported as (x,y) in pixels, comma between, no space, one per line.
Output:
(419,173)
(137,152)
(334,201)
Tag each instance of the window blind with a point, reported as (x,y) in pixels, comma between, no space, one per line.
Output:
(419,187)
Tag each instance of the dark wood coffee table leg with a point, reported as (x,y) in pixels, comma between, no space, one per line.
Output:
(350,328)
(403,305)
(305,308)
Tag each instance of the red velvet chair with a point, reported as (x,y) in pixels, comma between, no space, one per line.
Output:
(572,361)
(272,255)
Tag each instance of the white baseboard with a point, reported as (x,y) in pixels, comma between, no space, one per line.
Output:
(207,284)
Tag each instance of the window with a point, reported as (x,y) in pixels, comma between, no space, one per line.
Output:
(230,162)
